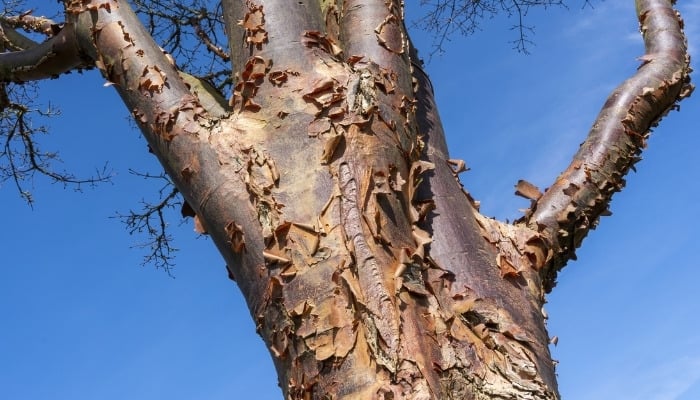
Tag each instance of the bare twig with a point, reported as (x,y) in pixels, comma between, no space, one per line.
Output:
(21,152)
(448,17)
(151,221)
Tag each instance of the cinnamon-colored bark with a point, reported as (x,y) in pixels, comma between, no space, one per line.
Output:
(327,186)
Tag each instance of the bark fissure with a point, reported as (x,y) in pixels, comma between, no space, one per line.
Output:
(377,298)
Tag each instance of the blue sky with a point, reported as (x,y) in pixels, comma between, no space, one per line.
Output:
(80,319)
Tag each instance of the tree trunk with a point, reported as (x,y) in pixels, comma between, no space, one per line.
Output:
(327,186)
(357,302)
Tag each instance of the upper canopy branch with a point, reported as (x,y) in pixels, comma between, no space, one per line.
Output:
(447,17)
(581,194)
(55,56)
(32,23)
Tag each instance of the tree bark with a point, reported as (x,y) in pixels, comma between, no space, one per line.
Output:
(327,186)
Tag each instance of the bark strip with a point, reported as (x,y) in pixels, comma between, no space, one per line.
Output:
(382,312)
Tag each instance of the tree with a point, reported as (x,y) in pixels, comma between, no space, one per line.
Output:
(396,269)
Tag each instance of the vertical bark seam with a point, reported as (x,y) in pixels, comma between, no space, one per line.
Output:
(382,311)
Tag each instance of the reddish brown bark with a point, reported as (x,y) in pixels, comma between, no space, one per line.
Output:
(327,186)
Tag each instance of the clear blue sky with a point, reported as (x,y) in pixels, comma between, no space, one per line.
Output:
(79,319)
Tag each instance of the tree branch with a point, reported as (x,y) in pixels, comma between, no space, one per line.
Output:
(13,40)
(566,212)
(456,228)
(31,23)
(269,29)
(57,55)
(375,30)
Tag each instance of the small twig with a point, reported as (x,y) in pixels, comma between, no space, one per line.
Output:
(21,152)
(204,37)
(152,222)
(448,17)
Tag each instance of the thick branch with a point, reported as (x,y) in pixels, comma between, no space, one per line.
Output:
(32,23)
(53,57)
(177,127)
(374,30)
(13,40)
(582,193)
(269,29)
